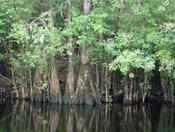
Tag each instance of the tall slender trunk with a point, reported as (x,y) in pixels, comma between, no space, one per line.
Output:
(125,100)
(163,84)
(70,91)
(97,76)
(38,80)
(31,84)
(130,96)
(172,87)
(106,87)
(22,83)
(145,90)
(113,85)
(135,95)
(55,91)
(101,73)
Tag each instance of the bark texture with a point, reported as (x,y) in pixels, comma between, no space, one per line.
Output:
(85,91)
(69,95)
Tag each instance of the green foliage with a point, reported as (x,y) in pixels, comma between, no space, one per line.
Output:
(44,86)
(1,56)
(135,35)
(140,35)
(132,59)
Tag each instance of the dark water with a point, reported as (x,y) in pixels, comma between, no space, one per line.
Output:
(27,117)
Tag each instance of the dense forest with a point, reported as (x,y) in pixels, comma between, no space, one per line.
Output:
(88,51)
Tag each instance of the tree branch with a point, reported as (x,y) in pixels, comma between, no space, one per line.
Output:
(6,79)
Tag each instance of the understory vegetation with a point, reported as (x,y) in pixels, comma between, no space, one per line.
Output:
(88,51)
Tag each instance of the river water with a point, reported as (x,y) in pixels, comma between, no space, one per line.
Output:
(27,117)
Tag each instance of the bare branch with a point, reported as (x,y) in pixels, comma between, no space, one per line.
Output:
(7,79)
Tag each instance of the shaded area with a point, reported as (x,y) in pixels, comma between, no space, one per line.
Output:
(28,117)
(5,90)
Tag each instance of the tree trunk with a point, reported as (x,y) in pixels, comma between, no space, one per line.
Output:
(130,97)
(22,78)
(106,87)
(97,76)
(55,92)
(101,69)
(126,91)
(31,84)
(145,90)
(172,88)
(22,82)
(83,93)
(70,92)
(163,84)
(37,94)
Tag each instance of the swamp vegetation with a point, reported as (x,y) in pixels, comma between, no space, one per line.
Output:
(87,51)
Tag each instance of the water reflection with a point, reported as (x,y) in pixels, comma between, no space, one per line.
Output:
(27,117)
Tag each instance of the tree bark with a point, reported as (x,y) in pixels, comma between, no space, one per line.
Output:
(130,96)
(163,84)
(106,87)
(172,88)
(144,87)
(70,91)
(125,100)
(37,94)
(84,87)
(55,91)
(22,80)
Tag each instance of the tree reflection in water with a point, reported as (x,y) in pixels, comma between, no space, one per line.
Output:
(27,117)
